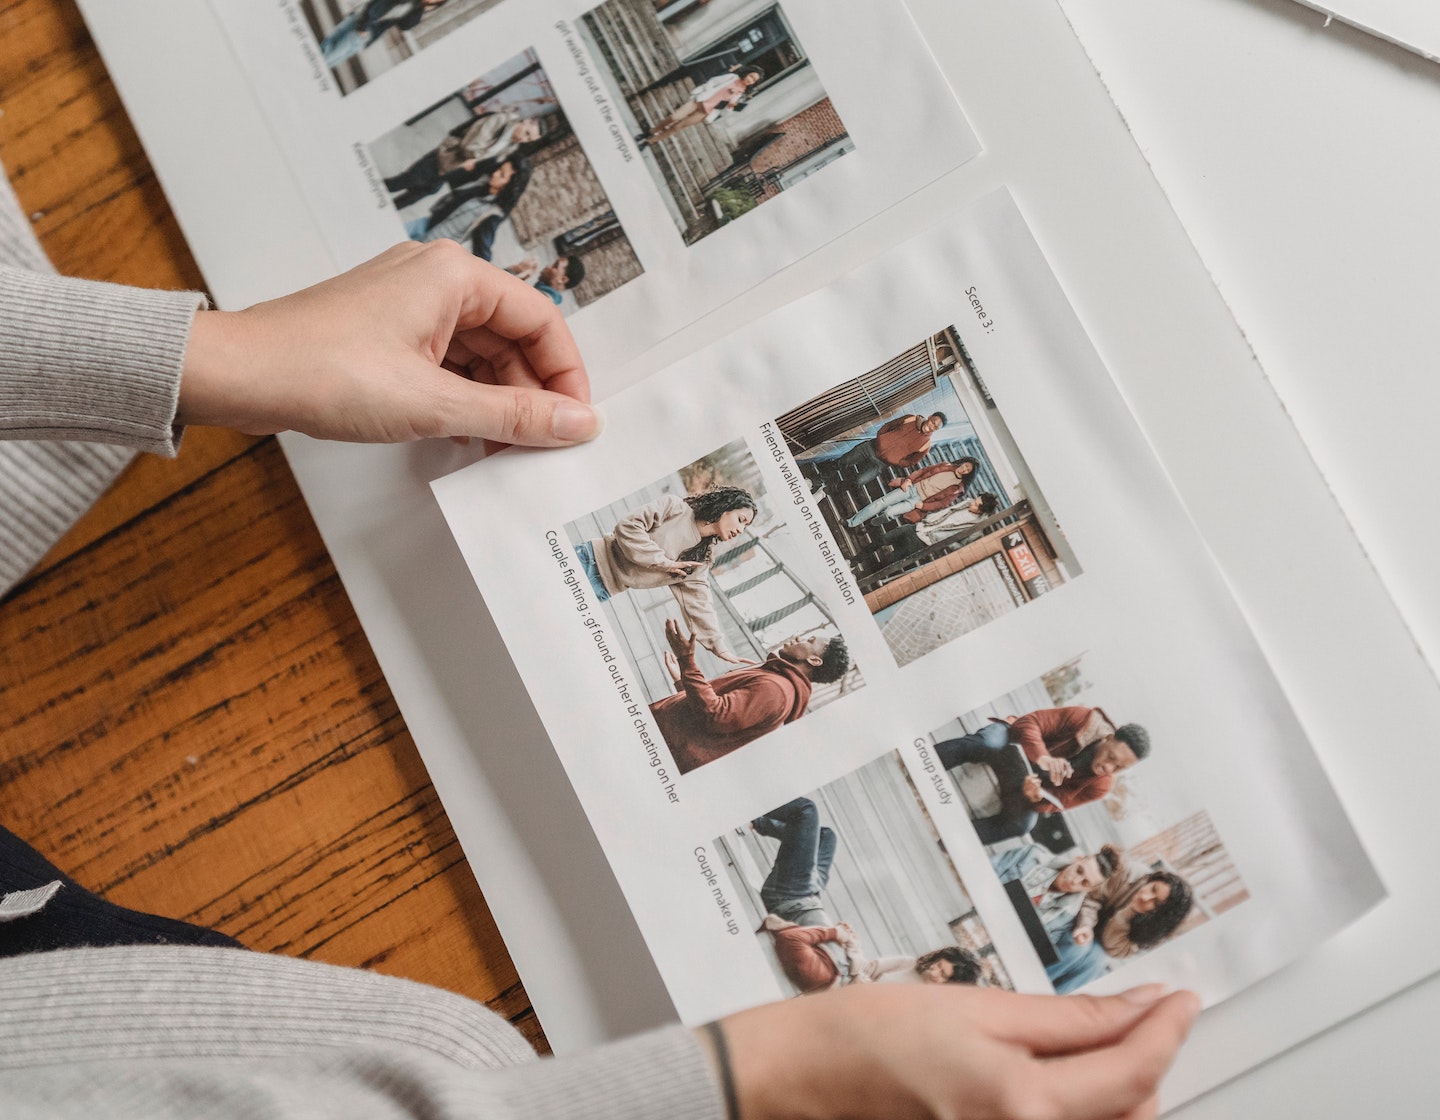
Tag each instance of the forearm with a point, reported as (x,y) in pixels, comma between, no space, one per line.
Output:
(653,1077)
(693,596)
(93,362)
(102,1032)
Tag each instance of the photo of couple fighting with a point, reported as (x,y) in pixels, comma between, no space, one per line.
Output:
(1101,852)
(699,580)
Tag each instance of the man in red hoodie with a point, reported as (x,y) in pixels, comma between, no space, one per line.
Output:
(707,719)
(1047,761)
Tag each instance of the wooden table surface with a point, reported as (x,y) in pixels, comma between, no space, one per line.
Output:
(191,720)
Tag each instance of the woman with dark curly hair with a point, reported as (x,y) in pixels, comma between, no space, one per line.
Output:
(1136,913)
(806,964)
(669,543)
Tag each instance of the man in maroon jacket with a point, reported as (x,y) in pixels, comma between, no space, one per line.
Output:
(707,719)
(901,442)
(1046,761)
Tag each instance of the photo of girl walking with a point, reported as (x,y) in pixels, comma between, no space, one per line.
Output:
(735,66)
(722,93)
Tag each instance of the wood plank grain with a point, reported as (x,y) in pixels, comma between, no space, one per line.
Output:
(75,161)
(78,167)
(197,726)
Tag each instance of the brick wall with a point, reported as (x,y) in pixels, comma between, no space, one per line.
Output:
(606,268)
(564,192)
(805,132)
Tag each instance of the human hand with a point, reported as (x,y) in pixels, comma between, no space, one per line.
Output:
(926,1052)
(672,666)
(1033,789)
(1082,936)
(682,568)
(423,340)
(1057,768)
(470,164)
(682,645)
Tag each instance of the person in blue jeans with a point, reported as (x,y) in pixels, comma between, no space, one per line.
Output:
(802,865)
(990,746)
(368,22)
(1076,965)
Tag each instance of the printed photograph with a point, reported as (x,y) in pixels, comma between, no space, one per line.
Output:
(361,39)
(1103,855)
(697,577)
(928,497)
(852,885)
(720,99)
(497,167)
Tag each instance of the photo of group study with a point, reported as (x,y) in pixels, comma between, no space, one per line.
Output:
(928,496)
(1100,851)
(699,580)
(497,167)
(851,884)
(724,106)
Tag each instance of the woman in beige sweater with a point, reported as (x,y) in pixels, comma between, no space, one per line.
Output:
(668,543)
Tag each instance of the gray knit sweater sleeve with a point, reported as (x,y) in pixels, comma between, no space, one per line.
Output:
(167,1032)
(82,360)
(87,372)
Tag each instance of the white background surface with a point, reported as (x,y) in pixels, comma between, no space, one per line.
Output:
(1305,165)
(1303,162)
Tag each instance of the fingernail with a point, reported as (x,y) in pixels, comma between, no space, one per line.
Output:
(1145,994)
(575,422)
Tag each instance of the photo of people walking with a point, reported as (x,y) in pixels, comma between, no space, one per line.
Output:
(851,885)
(497,167)
(928,496)
(361,39)
(699,579)
(1102,853)
(721,100)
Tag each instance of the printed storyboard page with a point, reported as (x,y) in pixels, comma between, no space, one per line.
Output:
(879,648)
(640,163)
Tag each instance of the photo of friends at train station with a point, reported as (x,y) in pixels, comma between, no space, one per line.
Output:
(851,884)
(698,578)
(497,167)
(721,100)
(1101,853)
(928,496)
(361,39)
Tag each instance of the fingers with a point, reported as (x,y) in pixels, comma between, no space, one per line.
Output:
(529,417)
(1048,1025)
(1123,1077)
(512,310)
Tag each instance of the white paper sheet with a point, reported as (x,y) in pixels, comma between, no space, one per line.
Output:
(1412,24)
(1163,330)
(1131,596)
(813,141)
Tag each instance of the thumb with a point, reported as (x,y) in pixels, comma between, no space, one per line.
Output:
(520,415)
(1050,1025)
